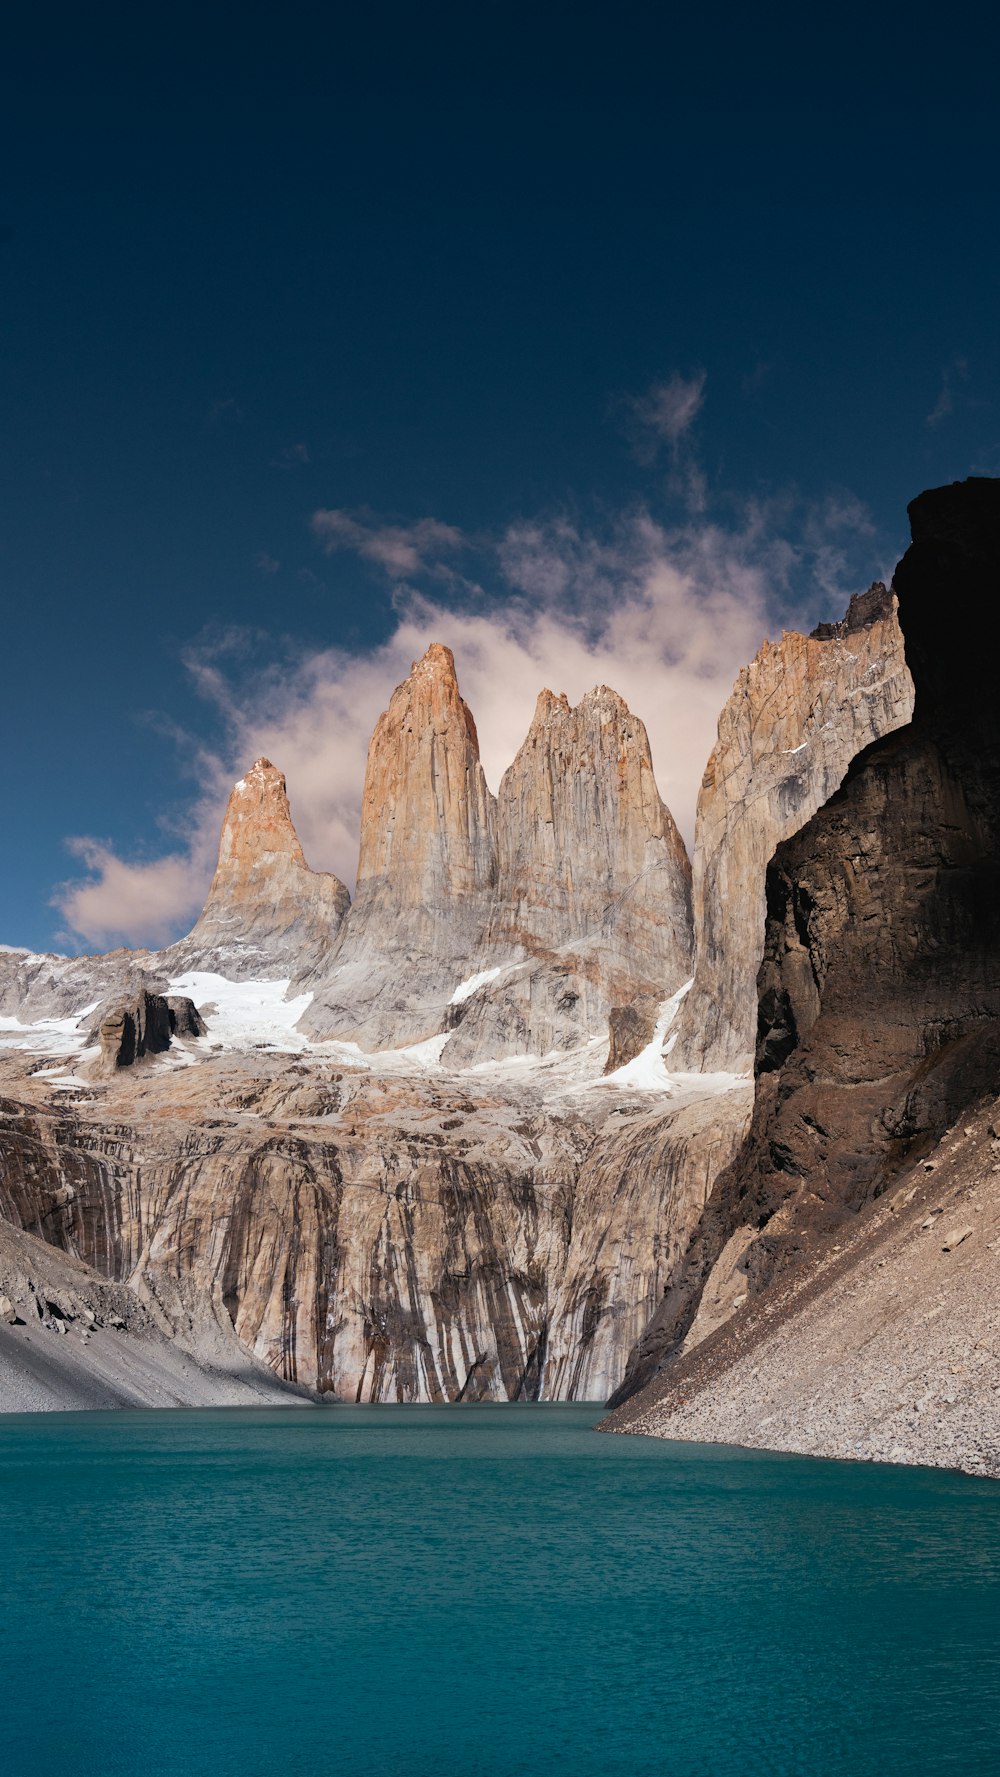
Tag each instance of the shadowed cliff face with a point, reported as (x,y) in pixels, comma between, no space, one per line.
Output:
(879,992)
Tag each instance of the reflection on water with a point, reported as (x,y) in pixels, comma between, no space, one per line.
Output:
(481,1591)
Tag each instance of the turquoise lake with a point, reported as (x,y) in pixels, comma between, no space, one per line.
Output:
(481,1591)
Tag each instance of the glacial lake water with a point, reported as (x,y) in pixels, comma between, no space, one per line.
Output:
(482,1591)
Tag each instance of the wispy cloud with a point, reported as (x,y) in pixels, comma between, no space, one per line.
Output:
(294,456)
(226,408)
(665,615)
(953,374)
(401,550)
(664,414)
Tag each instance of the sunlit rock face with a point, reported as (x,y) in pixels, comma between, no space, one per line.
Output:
(592,907)
(426,871)
(266,912)
(427,816)
(798,715)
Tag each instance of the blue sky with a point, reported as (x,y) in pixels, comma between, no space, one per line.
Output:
(596,340)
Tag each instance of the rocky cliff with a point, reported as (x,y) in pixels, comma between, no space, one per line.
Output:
(592,907)
(426,871)
(377,1236)
(879,990)
(798,715)
(266,912)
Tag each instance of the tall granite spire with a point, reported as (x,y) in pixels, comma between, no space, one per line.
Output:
(428,848)
(593,893)
(266,911)
(426,872)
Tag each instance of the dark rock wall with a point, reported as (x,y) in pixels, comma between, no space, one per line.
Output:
(879,992)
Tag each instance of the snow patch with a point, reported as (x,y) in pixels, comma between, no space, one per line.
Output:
(259,1015)
(46,1036)
(647,1071)
(423,1056)
(246,1014)
(466,989)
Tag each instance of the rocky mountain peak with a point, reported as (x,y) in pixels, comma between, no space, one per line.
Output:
(426,870)
(266,910)
(593,881)
(258,821)
(546,703)
(799,713)
(579,809)
(427,814)
(864,609)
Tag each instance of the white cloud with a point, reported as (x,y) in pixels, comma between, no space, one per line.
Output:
(401,550)
(131,903)
(665,413)
(665,616)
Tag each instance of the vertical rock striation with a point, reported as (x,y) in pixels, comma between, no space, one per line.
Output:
(427,868)
(593,885)
(266,911)
(798,715)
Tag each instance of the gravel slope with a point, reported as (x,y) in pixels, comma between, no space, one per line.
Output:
(78,1341)
(887,1349)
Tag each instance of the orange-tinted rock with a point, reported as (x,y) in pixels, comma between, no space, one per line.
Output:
(266,911)
(426,872)
(427,815)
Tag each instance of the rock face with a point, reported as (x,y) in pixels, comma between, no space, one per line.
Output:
(266,910)
(592,900)
(129,1032)
(116,1354)
(142,1024)
(377,1238)
(426,872)
(879,991)
(638,1198)
(798,715)
(45,985)
(427,817)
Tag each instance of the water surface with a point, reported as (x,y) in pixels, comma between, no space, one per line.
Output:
(481,1591)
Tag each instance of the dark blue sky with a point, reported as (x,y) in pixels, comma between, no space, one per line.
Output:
(417,260)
